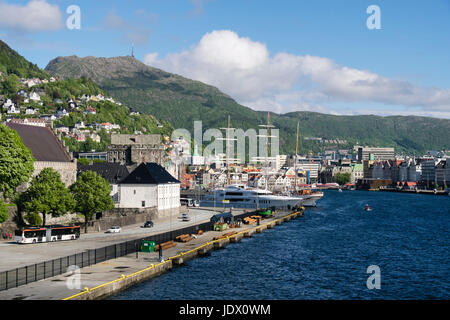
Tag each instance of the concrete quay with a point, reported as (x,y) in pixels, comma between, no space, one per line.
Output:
(110,277)
(13,255)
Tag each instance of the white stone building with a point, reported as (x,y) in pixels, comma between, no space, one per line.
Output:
(150,185)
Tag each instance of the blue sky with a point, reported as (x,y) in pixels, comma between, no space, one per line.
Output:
(269,55)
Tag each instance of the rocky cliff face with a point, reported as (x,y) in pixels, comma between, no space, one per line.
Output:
(98,69)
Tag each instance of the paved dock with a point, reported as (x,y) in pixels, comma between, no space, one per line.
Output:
(13,255)
(104,279)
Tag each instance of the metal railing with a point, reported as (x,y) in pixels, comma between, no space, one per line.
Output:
(47,269)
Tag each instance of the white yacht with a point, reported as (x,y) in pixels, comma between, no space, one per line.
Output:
(237,196)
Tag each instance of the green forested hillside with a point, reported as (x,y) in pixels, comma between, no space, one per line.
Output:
(13,63)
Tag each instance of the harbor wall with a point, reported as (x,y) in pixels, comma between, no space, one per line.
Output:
(121,217)
(123,282)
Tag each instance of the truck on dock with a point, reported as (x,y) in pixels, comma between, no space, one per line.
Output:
(226,217)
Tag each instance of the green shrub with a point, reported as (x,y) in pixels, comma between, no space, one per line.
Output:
(4,215)
(83,161)
(33,219)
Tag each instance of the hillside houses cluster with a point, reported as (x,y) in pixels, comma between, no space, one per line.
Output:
(36,81)
(79,132)
(63,108)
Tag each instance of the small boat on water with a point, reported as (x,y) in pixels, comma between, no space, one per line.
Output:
(367,208)
(340,190)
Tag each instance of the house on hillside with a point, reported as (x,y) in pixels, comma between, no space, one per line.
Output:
(85,97)
(30,122)
(94,136)
(31,83)
(150,185)
(72,105)
(13,109)
(35,96)
(30,110)
(90,110)
(62,129)
(22,93)
(48,117)
(80,125)
(61,112)
(6,105)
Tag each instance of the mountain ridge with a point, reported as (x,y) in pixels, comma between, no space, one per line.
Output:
(181,101)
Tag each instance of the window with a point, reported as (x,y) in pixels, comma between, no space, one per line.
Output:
(134,191)
(143,204)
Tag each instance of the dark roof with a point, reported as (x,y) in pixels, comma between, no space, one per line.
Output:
(111,172)
(149,173)
(44,145)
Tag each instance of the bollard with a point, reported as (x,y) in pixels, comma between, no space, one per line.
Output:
(137,250)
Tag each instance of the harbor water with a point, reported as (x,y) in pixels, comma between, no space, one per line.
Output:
(325,255)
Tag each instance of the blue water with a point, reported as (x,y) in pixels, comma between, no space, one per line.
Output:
(325,255)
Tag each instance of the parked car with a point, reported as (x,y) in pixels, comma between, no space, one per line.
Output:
(148,224)
(114,229)
(185,217)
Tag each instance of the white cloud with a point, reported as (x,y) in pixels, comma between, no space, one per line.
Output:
(36,15)
(245,70)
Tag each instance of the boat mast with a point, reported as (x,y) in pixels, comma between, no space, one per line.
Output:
(227,157)
(266,158)
(228,161)
(295,159)
(267,149)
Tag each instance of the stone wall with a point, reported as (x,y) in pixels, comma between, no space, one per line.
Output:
(131,139)
(67,170)
(9,225)
(174,212)
(121,217)
(70,218)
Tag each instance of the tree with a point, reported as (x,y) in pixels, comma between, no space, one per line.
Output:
(4,215)
(342,178)
(16,161)
(47,194)
(92,195)
(11,84)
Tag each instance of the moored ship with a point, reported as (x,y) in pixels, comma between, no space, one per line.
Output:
(237,196)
